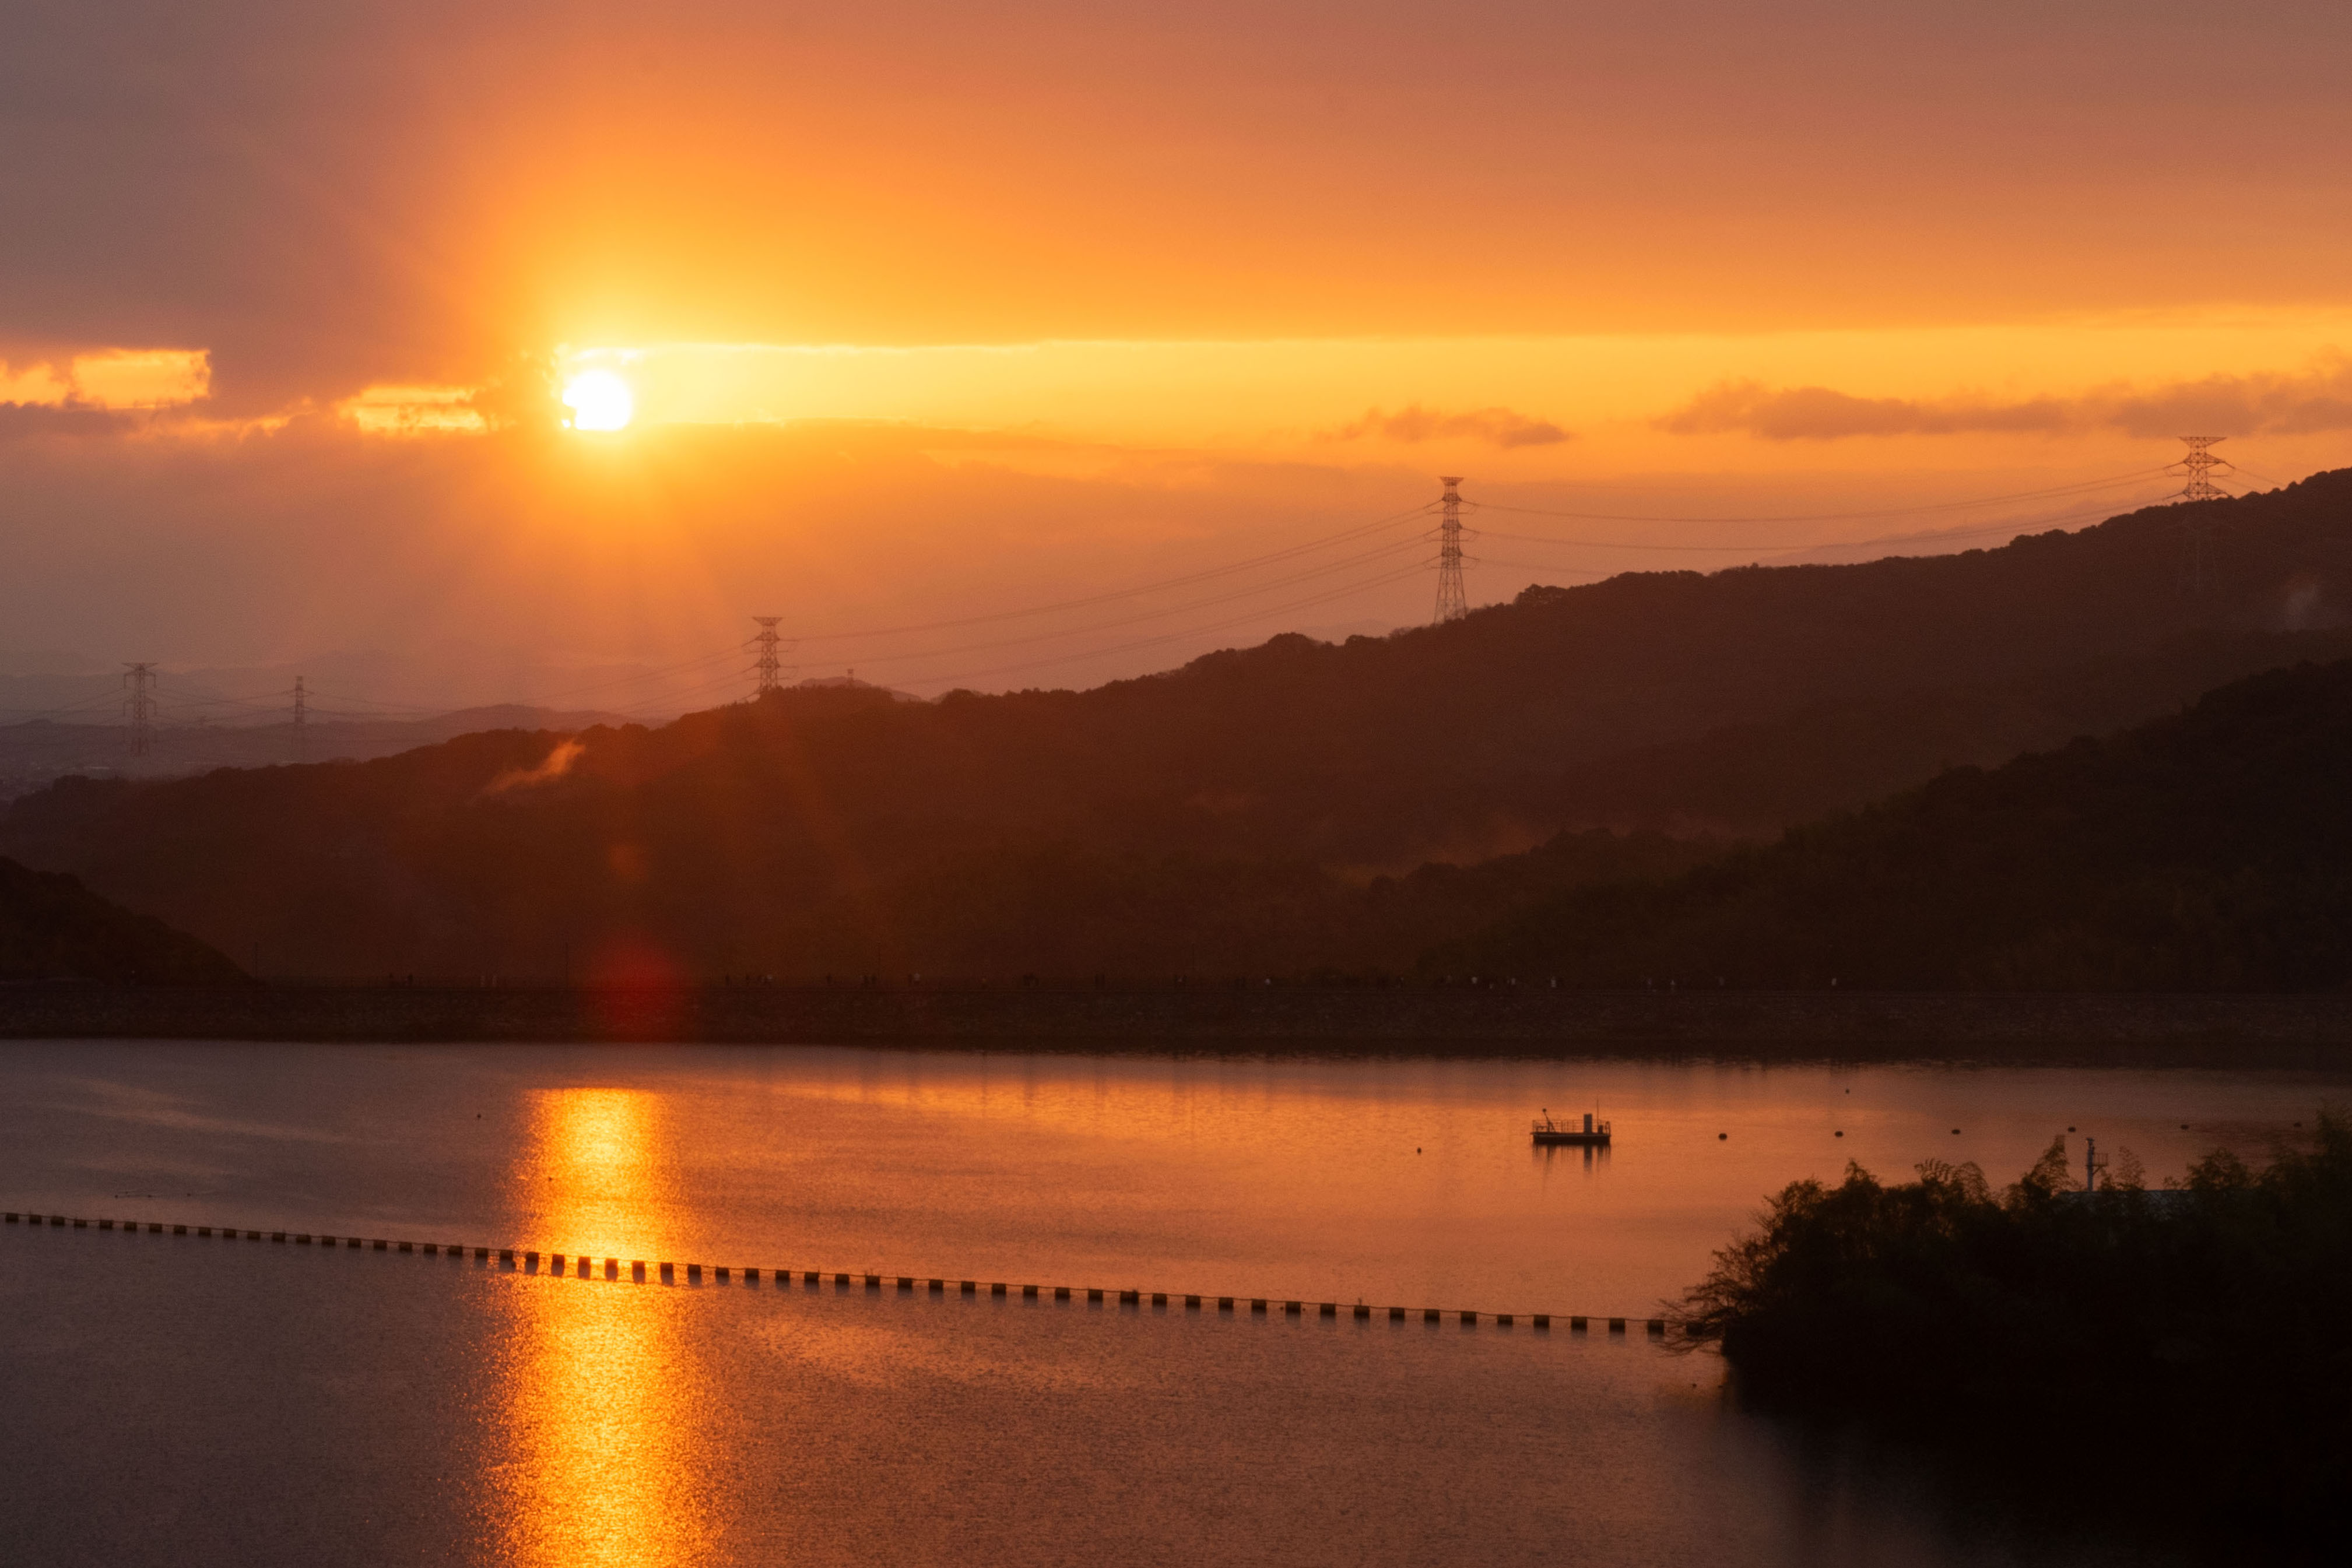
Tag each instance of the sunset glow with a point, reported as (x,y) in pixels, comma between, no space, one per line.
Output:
(899,348)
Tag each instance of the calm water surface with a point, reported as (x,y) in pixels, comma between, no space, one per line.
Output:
(173,1400)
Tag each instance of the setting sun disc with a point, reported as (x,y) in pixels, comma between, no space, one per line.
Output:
(599,400)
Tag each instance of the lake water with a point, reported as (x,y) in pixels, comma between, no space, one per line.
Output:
(177,1400)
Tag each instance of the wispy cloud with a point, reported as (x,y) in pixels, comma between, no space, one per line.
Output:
(2316,399)
(1497,426)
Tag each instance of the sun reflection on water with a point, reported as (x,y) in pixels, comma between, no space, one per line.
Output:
(601,1462)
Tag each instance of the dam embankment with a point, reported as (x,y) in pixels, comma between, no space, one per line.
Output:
(2234,1029)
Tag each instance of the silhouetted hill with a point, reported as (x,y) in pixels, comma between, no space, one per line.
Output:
(1229,815)
(2207,850)
(52,927)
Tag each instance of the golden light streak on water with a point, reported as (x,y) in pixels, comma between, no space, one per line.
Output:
(600,1386)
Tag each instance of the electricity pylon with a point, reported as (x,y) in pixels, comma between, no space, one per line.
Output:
(139,706)
(770,668)
(1453,604)
(2196,532)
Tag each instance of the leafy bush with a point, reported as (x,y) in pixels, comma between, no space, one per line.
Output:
(2196,1332)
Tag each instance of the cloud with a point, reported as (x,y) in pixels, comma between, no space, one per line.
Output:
(142,378)
(1497,426)
(21,420)
(2277,402)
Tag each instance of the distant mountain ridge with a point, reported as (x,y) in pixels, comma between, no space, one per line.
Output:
(1147,826)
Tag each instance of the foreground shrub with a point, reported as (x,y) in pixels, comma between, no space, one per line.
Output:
(2179,1350)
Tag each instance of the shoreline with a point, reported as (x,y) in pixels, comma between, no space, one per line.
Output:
(2313,1030)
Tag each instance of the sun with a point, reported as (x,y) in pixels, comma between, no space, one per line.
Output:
(599,400)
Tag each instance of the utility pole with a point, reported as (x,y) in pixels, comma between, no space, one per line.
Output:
(2092,1165)
(1452,603)
(2197,533)
(301,720)
(140,705)
(770,669)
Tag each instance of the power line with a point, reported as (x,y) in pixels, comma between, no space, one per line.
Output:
(2087,485)
(2020,524)
(1350,590)
(1137,591)
(1307,576)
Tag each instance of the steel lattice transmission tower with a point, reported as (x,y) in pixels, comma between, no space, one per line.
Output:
(139,706)
(1453,604)
(770,668)
(301,719)
(2197,533)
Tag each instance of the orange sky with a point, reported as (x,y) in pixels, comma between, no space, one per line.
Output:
(1107,297)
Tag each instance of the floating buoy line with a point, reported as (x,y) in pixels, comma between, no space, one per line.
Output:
(639,1271)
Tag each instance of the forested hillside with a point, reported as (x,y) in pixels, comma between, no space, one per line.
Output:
(2207,850)
(1230,815)
(52,927)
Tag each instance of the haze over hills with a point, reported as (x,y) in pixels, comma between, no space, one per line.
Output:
(34,753)
(2208,850)
(1232,815)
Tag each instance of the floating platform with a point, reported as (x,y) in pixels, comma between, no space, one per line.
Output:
(1592,1134)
